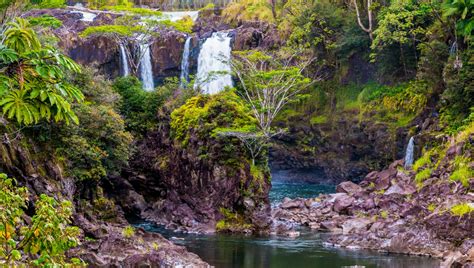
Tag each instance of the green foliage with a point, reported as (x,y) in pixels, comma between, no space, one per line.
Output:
(462,13)
(423,175)
(458,97)
(128,232)
(99,4)
(133,10)
(384,214)
(49,3)
(100,145)
(462,209)
(184,25)
(431,207)
(423,161)
(208,115)
(122,30)
(319,119)
(209,6)
(462,171)
(41,242)
(45,21)
(232,221)
(248,10)
(139,107)
(32,78)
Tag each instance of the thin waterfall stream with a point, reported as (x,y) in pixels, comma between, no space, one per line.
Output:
(184,77)
(146,68)
(409,158)
(124,59)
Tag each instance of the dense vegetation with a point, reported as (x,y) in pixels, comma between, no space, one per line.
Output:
(387,62)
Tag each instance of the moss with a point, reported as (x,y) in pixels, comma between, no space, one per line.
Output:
(232,221)
(462,172)
(431,207)
(384,214)
(423,175)
(320,119)
(462,209)
(423,161)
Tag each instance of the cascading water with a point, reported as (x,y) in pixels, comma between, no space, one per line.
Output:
(146,72)
(123,57)
(86,16)
(213,73)
(409,153)
(184,77)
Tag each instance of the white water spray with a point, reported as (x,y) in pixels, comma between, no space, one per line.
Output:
(184,77)
(409,153)
(213,73)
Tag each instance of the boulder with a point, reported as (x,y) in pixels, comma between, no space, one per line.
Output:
(343,202)
(356,225)
(348,187)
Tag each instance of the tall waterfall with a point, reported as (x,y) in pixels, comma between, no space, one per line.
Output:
(184,77)
(213,60)
(123,57)
(409,153)
(146,71)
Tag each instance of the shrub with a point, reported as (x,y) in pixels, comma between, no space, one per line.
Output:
(41,242)
(45,21)
(128,232)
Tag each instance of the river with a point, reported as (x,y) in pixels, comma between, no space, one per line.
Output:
(307,250)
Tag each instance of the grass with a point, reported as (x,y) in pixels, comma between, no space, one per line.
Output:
(423,161)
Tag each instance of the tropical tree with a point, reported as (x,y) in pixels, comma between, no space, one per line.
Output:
(463,13)
(32,78)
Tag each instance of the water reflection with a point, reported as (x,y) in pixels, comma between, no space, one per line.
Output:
(304,251)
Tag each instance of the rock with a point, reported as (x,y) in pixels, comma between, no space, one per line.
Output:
(399,188)
(292,204)
(357,225)
(348,187)
(343,202)
(293,234)
(450,259)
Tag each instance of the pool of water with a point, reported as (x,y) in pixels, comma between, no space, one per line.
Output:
(307,250)
(281,190)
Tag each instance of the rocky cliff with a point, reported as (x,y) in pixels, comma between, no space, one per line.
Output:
(33,164)
(189,177)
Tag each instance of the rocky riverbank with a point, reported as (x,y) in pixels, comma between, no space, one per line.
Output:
(392,211)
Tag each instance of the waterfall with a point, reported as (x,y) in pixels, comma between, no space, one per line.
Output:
(213,73)
(184,77)
(409,153)
(86,16)
(146,72)
(123,57)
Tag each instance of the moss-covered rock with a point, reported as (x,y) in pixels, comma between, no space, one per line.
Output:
(196,173)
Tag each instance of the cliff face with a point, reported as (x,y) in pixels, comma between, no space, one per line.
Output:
(33,164)
(103,53)
(198,180)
